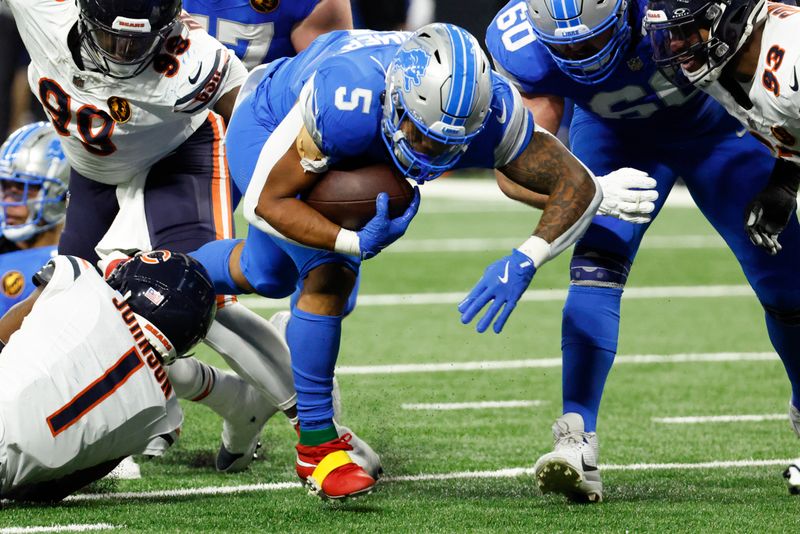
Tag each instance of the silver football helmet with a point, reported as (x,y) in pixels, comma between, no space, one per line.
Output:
(586,38)
(34,175)
(438,96)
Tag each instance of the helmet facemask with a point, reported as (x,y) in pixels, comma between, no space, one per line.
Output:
(692,46)
(436,100)
(121,53)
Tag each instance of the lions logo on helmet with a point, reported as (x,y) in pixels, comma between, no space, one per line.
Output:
(34,175)
(439,85)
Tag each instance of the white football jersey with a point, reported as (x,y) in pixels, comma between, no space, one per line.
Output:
(774,118)
(77,388)
(113,129)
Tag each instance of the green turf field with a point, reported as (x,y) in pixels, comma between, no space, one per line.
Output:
(692,323)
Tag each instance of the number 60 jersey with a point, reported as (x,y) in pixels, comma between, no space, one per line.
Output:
(77,385)
(113,129)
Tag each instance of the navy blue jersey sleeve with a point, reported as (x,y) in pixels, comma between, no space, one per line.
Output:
(515,50)
(508,129)
(342,110)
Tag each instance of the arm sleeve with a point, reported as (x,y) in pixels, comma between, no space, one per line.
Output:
(60,272)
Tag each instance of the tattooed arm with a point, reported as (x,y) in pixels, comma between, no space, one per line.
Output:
(547,173)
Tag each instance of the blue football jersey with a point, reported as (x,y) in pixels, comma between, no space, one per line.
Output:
(16,272)
(258,31)
(339,81)
(635,90)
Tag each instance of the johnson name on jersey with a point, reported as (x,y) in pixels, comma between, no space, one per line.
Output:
(258,31)
(339,80)
(635,90)
(112,129)
(773,111)
(76,386)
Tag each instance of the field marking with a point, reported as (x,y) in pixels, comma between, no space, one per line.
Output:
(538,363)
(507,243)
(720,418)
(59,528)
(499,473)
(536,295)
(446,406)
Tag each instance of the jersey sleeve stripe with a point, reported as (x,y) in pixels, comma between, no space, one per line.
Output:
(76,269)
(96,392)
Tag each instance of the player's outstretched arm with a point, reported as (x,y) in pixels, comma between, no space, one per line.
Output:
(544,167)
(327,16)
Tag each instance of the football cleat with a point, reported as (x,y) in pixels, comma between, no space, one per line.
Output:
(571,469)
(792,473)
(330,471)
(127,469)
(362,453)
(240,436)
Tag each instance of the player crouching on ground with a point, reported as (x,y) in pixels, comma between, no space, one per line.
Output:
(426,103)
(744,54)
(81,379)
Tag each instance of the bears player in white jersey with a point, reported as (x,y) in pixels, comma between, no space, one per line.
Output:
(76,399)
(745,54)
(130,88)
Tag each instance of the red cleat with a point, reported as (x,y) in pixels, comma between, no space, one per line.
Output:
(329,472)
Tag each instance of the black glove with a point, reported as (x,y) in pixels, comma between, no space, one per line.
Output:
(769,213)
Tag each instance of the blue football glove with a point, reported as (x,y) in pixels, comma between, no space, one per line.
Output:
(503,282)
(381,231)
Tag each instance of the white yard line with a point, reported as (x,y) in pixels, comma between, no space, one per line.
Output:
(536,295)
(58,528)
(539,363)
(721,419)
(500,473)
(480,244)
(484,405)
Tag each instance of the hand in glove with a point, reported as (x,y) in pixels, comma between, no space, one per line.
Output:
(628,195)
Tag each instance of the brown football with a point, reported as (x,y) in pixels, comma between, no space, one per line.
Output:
(347,197)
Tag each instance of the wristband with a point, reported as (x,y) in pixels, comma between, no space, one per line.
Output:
(347,242)
(537,249)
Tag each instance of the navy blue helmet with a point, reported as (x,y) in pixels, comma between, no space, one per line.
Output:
(172,298)
(122,37)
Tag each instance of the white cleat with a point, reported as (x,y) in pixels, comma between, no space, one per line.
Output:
(792,473)
(571,469)
(240,436)
(362,453)
(127,469)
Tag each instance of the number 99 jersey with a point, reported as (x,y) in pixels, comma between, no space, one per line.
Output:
(635,89)
(258,31)
(113,129)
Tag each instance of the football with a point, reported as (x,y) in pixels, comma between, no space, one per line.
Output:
(347,197)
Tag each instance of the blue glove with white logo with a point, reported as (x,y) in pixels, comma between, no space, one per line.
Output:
(381,231)
(503,283)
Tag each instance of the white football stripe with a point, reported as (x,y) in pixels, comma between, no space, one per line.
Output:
(444,406)
(720,418)
(58,528)
(499,473)
(551,362)
(538,295)
(507,243)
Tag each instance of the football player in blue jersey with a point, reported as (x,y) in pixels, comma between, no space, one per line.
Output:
(260,31)
(628,114)
(425,102)
(34,174)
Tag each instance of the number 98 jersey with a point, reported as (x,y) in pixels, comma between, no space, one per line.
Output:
(258,31)
(635,90)
(113,129)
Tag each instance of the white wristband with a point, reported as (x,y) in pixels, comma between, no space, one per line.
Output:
(347,242)
(537,249)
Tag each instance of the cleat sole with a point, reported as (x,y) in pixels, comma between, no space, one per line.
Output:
(561,478)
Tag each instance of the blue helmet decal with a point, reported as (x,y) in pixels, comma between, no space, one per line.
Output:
(413,64)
